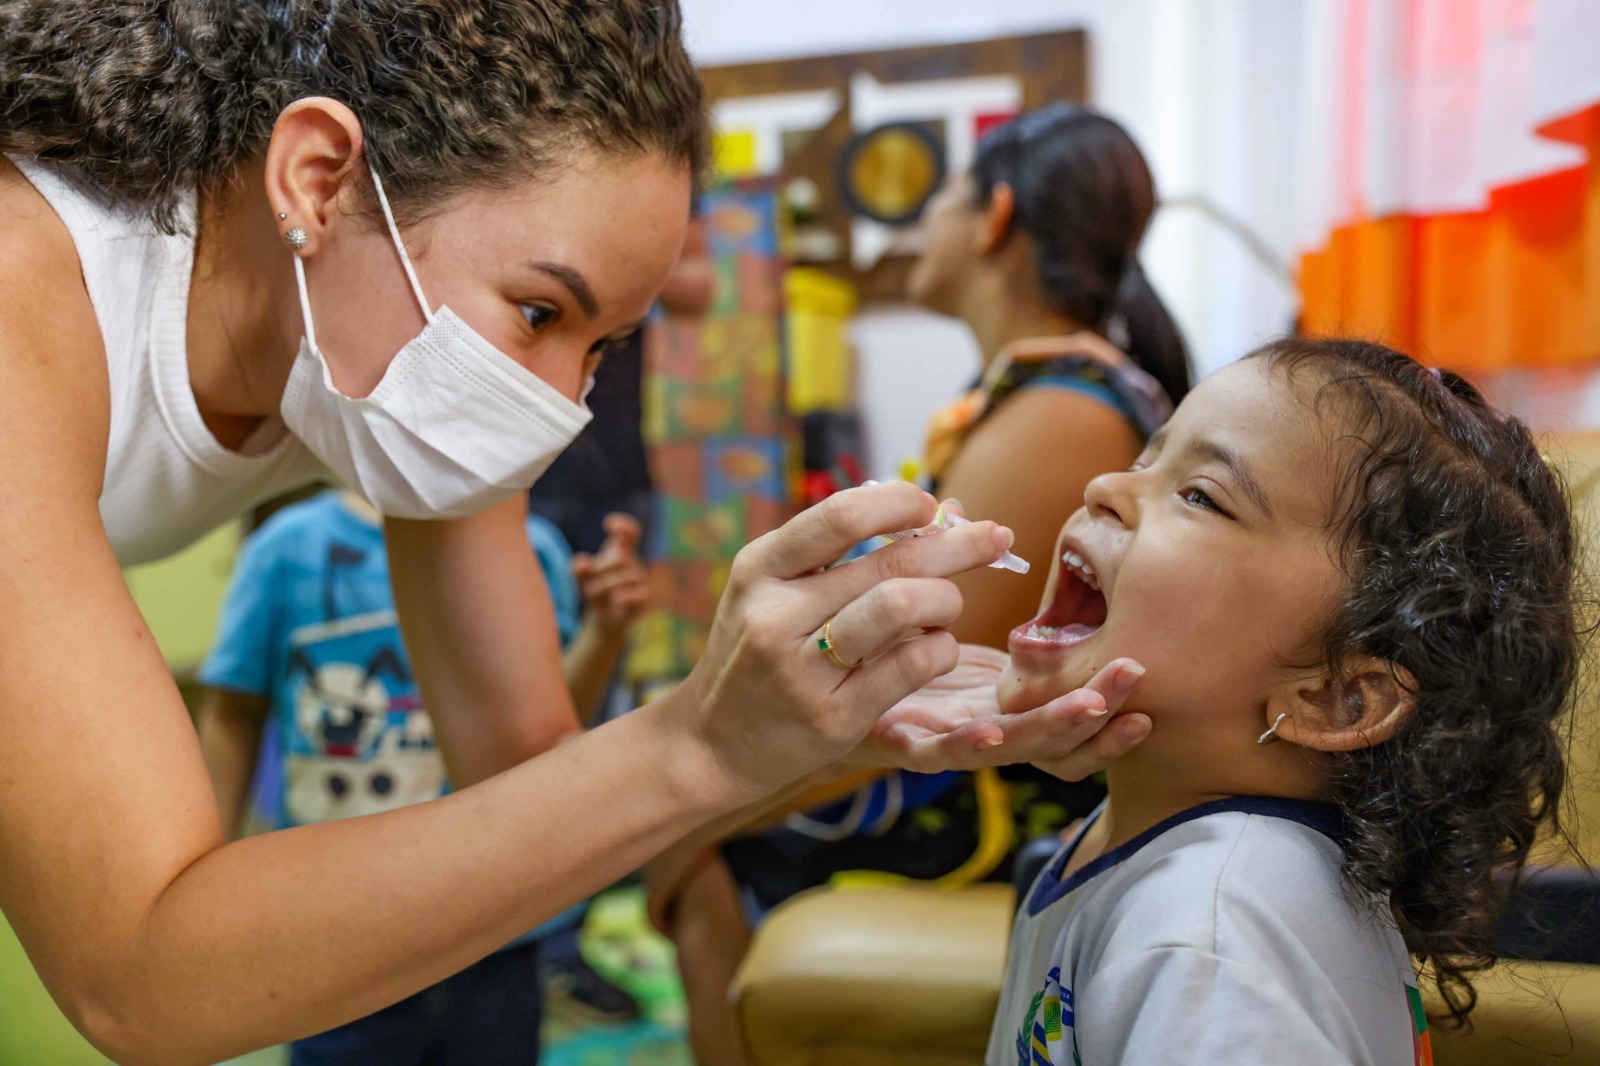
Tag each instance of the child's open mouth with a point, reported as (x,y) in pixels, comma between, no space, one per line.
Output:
(1075,613)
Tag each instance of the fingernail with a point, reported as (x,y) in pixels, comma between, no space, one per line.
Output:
(1094,712)
(1128,677)
(1004,538)
(989,742)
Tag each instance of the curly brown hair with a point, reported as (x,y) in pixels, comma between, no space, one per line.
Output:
(1458,541)
(145,102)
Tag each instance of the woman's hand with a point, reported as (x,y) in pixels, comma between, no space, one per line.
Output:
(955,723)
(766,700)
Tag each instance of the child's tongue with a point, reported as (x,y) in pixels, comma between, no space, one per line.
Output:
(1075,613)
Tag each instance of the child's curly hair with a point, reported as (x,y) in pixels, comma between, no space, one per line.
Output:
(1458,540)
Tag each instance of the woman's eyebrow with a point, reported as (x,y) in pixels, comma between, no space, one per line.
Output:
(575,283)
(1209,449)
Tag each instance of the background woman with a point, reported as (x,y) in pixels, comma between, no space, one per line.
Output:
(1036,250)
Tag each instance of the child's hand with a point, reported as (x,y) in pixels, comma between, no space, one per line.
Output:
(615,582)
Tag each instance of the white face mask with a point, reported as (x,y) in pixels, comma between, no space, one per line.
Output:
(454,426)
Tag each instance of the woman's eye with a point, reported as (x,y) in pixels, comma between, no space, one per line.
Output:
(1196,497)
(538,315)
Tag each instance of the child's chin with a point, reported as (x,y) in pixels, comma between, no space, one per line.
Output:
(1022,690)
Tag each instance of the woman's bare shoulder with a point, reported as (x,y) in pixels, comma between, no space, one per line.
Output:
(53,387)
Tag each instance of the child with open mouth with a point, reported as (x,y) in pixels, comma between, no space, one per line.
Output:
(1340,587)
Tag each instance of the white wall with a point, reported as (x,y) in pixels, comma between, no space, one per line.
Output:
(1212,89)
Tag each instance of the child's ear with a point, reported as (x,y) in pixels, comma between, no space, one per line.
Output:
(996,223)
(1329,714)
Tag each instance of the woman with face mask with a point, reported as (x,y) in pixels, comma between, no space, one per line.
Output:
(252,244)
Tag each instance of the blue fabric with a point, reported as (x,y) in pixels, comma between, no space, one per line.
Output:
(1097,390)
(309,625)
(881,807)
(486,1015)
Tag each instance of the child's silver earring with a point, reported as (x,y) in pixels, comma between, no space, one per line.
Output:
(1271,735)
(282,215)
(296,238)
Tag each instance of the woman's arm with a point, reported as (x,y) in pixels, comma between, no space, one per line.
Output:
(230,725)
(1026,466)
(476,618)
(162,944)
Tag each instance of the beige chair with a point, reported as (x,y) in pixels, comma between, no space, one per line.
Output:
(892,976)
(875,977)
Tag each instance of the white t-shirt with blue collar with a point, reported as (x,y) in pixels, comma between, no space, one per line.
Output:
(1223,935)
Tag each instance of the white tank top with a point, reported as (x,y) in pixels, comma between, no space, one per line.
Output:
(167,480)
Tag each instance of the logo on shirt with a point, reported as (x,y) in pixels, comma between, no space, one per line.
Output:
(1049,1014)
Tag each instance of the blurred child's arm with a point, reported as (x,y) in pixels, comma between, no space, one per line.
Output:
(243,669)
(616,591)
(588,663)
(230,737)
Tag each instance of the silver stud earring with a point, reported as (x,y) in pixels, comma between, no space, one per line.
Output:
(282,215)
(296,238)
(1271,735)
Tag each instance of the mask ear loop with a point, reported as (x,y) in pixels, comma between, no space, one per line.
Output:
(400,246)
(305,303)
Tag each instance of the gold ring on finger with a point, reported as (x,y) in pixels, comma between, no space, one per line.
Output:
(826,644)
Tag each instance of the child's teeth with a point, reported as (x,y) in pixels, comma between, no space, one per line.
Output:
(1044,632)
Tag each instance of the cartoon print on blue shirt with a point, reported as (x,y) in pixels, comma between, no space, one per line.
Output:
(360,741)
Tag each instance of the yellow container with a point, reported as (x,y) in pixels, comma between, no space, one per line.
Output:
(821,367)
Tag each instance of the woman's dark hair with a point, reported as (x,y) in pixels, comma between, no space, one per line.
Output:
(1084,196)
(1458,541)
(145,102)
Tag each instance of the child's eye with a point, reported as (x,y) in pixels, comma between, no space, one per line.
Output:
(1196,497)
(538,315)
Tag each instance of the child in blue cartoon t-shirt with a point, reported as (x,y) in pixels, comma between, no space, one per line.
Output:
(313,696)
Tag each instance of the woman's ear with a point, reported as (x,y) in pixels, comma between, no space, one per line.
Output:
(316,144)
(997,218)
(1362,708)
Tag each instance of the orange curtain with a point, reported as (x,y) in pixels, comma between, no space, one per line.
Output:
(1515,285)
(1463,223)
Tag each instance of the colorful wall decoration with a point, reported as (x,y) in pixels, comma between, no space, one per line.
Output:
(721,440)
(800,119)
